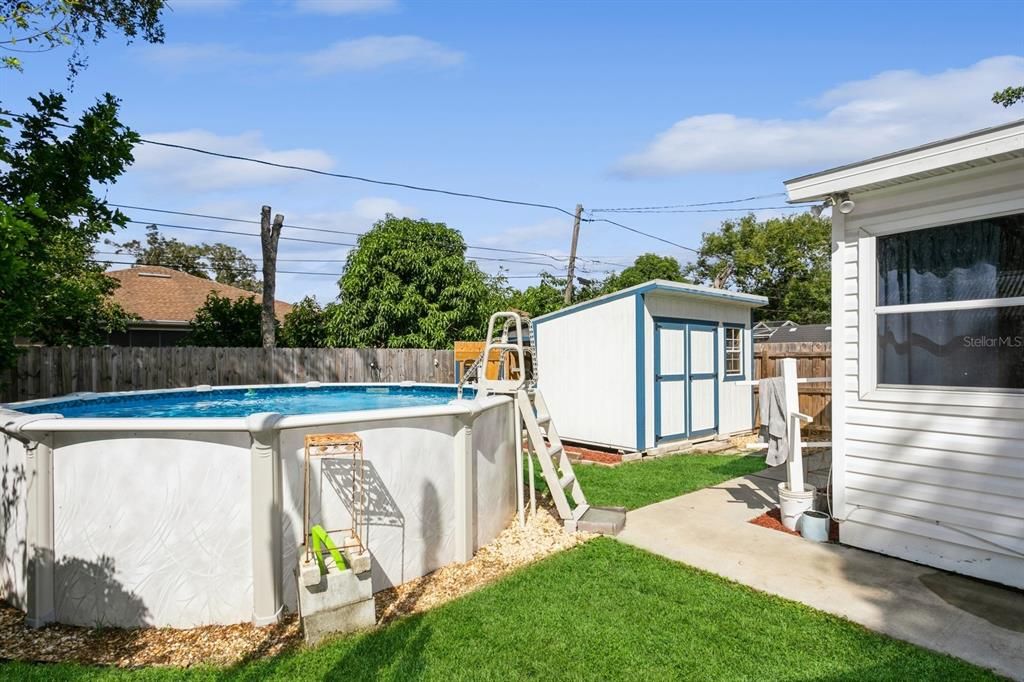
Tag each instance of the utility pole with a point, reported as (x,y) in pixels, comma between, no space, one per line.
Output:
(572,254)
(270,233)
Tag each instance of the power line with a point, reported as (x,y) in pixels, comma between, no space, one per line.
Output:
(341,176)
(704,203)
(646,234)
(243,234)
(380,182)
(704,210)
(173,226)
(286,272)
(207,216)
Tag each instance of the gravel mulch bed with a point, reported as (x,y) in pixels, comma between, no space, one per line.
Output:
(773,519)
(231,644)
(133,648)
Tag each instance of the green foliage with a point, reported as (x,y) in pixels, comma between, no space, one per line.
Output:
(1009,96)
(645,268)
(49,24)
(53,292)
(226,323)
(227,264)
(407,284)
(785,259)
(305,326)
(16,236)
(549,295)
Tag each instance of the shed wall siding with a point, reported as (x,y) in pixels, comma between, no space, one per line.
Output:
(936,477)
(735,406)
(588,373)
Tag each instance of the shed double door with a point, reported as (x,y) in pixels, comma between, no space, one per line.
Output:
(686,380)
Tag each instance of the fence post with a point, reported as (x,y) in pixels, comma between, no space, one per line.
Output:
(794,462)
(266,491)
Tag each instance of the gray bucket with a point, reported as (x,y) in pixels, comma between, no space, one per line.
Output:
(814,526)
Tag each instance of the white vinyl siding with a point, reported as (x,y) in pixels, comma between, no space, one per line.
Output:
(933,476)
(587,369)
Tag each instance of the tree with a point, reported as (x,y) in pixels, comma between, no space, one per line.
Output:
(1009,96)
(785,259)
(645,268)
(549,295)
(53,292)
(49,24)
(226,264)
(407,284)
(305,326)
(228,323)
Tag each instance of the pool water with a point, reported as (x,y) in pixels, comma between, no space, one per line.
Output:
(242,402)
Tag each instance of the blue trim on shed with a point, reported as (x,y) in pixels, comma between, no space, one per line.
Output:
(640,323)
(742,376)
(687,325)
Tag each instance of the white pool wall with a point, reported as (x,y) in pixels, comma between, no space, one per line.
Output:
(153,523)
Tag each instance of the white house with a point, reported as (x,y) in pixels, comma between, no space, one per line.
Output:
(653,363)
(928,351)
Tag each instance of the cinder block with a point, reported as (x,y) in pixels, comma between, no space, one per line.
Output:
(358,562)
(350,618)
(340,602)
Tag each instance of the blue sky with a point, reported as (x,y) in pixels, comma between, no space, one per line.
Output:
(606,104)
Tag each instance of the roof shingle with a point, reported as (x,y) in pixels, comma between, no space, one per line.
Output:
(156,293)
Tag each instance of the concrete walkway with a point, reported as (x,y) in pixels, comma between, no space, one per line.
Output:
(709,529)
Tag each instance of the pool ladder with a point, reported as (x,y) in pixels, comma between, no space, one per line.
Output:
(519,380)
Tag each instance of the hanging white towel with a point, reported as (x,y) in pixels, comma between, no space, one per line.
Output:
(774,431)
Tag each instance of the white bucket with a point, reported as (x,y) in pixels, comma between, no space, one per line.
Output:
(792,505)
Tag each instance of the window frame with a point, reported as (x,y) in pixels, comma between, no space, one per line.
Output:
(726,326)
(869,310)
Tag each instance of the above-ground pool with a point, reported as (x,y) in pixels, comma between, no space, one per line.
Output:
(184,507)
(241,402)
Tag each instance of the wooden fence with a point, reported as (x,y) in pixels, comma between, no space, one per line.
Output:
(47,372)
(812,360)
(44,372)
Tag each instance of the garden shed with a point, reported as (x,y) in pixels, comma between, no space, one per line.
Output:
(658,362)
(928,351)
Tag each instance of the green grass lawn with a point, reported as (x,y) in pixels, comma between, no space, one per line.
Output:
(638,484)
(601,611)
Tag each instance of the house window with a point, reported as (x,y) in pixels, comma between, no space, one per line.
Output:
(950,308)
(733,352)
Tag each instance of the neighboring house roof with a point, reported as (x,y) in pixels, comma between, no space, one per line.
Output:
(804,333)
(978,148)
(159,294)
(765,328)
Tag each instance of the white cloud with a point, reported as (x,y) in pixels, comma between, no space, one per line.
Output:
(345,6)
(859,119)
(373,52)
(374,208)
(195,172)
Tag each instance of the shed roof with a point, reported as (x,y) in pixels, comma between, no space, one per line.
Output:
(977,148)
(159,294)
(665,286)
